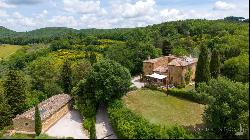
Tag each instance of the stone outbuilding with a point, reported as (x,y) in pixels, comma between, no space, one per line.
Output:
(51,110)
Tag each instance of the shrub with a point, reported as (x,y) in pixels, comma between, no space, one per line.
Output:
(44,136)
(4,130)
(129,125)
(151,86)
(194,96)
(89,124)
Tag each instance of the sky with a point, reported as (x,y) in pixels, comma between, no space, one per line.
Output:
(26,15)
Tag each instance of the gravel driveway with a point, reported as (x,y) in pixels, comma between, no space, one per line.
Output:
(136,82)
(69,125)
(103,126)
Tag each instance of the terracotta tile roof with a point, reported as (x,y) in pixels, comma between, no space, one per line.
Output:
(185,61)
(161,69)
(158,59)
(47,107)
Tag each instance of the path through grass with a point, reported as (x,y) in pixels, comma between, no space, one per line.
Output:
(7,50)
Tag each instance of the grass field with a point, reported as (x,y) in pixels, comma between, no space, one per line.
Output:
(158,108)
(7,50)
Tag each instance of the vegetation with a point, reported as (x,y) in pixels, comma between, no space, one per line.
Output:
(14,92)
(215,64)
(129,125)
(25,136)
(230,109)
(237,68)
(193,96)
(202,73)
(66,77)
(89,124)
(154,102)
(7,50)
(101,61)
(38,121)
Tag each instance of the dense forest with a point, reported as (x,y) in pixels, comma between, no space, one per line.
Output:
(38,67)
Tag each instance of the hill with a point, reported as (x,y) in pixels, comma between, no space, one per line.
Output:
(4,32)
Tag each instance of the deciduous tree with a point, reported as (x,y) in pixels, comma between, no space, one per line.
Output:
(14,91)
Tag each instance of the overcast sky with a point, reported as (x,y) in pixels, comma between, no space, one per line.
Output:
(25,15)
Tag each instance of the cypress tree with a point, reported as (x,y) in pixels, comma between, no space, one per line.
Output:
(166,47)
(14,91)
(38,121)
(215,64)
(66,77)
(202,73)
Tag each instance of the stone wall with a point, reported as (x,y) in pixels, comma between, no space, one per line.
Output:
(175,74)
(24,125)
(163,61)
(193,68)
(148,68)
(46,124)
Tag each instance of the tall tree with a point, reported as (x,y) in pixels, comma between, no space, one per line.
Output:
(166,47)
(229,111)
(66,77)
(38,121)
(237,68)
(14,91)
(107,80)
(215,63)
(202,73)
(5,112)
(92,58)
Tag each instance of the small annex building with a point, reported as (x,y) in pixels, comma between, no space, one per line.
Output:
(51,110)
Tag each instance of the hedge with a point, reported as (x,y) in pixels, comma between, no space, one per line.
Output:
(129,125)
(89,124)
(194,96)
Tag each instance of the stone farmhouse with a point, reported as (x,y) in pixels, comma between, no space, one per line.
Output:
(169,70)
(51,110)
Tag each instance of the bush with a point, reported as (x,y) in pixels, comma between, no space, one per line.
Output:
(151,86)
(44,136)
(4,130)
(89,124)
(194,96)
(129,125)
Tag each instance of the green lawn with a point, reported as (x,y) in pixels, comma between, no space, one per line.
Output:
(7,50)
(159,108)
